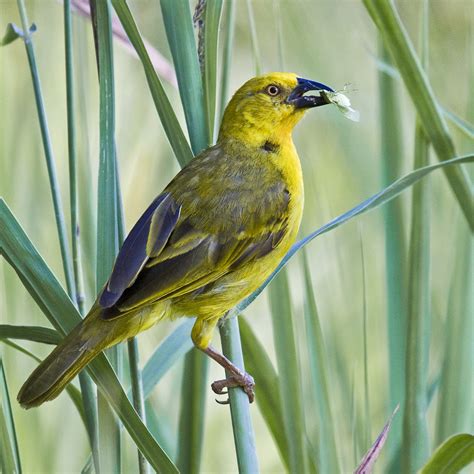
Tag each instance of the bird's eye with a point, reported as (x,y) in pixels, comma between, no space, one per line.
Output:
(273,90)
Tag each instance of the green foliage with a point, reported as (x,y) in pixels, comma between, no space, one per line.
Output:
(452,456)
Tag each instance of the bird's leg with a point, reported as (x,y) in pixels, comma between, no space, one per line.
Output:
(237,377)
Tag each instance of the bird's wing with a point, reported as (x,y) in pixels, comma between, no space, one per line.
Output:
(147,238)
(187,239)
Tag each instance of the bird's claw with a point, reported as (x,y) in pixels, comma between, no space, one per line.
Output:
(243,380)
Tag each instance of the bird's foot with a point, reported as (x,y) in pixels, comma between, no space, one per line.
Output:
(239,379)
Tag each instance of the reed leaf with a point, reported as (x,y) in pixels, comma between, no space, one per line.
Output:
(48,152)
(42,285)
(289,373)
(458,349)
(266,379)
(212,16)
(10,456)
(415,444)
(452,456)
(30,333)
(431,118)
(244,437)
(191,417)
(328,459)
(179,31)
(165,111)
(395,245)
(107,226)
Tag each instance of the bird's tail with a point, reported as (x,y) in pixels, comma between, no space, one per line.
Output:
(53,374)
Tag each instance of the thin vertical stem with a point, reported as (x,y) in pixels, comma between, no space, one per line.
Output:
(395,245)
(244,437)
(48,151)
(137,394)
(415,447)
(227,57)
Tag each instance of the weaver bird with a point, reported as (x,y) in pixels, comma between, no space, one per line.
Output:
(207,241)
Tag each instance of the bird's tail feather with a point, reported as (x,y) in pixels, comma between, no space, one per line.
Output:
(53,374)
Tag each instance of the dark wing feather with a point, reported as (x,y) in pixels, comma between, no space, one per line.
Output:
(147,238)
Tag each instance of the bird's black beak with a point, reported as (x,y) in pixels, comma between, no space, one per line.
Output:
(300,101)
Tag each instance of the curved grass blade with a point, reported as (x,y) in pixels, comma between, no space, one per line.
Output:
(244,437)
(42,285)
(398,43)
(10,456)
(266,379)
(382,197)
(289,373)
(453,455)
(30,333)
(167,116)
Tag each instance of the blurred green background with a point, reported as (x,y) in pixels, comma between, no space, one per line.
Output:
(331,42)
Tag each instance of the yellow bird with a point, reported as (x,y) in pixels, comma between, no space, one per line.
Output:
(207,241)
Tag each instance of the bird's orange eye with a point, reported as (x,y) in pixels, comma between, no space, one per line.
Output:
(273,90)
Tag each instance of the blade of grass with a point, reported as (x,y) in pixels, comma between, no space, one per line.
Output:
(179,31)
(48,152)
(191,416)
(10,456)
(90,407)
(107,228)
(30,333)
(137,394)
(455,410)
(378,199)
(367,425)
(244,437)
(328,460)
(415,443)
(266,379)
(289,374)
(212,15)
(42,285)
(71,130)
(229,9)
(395,245)
(453,455)
(431,118)
(163,106)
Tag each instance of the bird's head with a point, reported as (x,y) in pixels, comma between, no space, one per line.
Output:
(269,106)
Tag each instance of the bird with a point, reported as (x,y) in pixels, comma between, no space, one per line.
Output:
(211,238)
